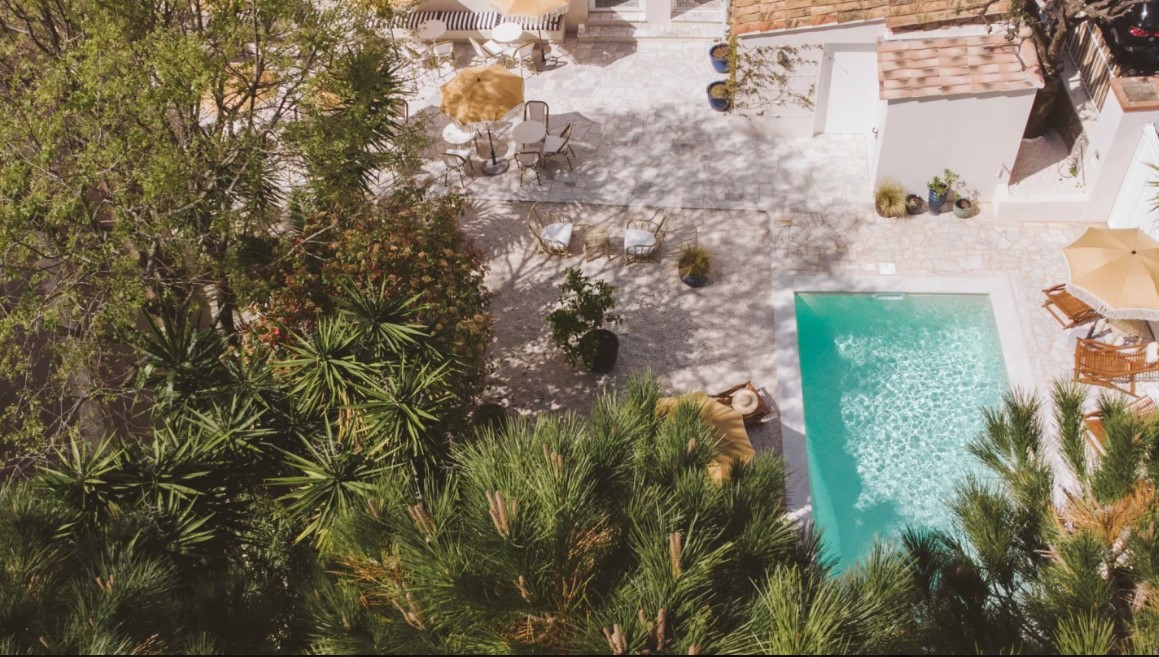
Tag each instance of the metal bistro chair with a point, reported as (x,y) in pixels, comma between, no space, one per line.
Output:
(442,52)
(559,145)
(525,55)
(455,163)
(528,161)
(553,238)
(483,54)
(537,110)
(643,237)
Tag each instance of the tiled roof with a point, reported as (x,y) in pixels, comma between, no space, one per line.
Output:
(899,15)
(918,68)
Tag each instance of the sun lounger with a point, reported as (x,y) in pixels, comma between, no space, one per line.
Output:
(1114,367)
(1066,309)
(749,403)
(1097,434)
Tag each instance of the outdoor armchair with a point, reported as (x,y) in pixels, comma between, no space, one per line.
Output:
(553,236)
(1066,309)
(643,237)
(1104,365)
(559,145)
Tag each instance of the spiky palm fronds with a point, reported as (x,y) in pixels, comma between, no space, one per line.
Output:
(567,536)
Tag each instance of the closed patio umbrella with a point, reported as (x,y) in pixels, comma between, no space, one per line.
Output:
(1116,272)
(481,95)
(733,439)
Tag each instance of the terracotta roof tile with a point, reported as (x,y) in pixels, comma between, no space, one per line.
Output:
(899,15)
(919,68)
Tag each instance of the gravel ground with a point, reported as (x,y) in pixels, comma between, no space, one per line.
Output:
(692,339)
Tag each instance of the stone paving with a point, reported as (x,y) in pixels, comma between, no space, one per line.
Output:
(644,135)
(723,333)
(645,139)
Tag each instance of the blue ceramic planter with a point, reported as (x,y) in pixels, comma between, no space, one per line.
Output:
(720,65)
(937,201)
(718,104)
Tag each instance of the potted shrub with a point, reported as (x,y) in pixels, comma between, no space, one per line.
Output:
(914,204)
(718,95)
(939,188)
(577,325)
(693,266)
(889,199)
(718,53)
(490,416)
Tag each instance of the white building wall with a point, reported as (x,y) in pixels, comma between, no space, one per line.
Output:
(1112,147)
(793,121)
(975,136)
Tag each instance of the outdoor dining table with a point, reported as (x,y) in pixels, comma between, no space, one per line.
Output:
(506,32)
(456,136)
(431,29)
(529,132)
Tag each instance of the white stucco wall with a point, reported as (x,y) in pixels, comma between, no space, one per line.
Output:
(1113,143)
(976,136)
(793,121)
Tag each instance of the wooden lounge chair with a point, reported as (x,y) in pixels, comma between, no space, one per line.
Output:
(1113,367)
(1066,309)
(1142,407)
(759,413)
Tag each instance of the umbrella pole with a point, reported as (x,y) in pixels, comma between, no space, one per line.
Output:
(495,166)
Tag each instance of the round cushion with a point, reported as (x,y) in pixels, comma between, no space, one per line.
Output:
(744,401)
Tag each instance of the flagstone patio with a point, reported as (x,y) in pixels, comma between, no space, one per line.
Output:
(644,135)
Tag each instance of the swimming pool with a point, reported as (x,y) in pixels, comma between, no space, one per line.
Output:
(893,387)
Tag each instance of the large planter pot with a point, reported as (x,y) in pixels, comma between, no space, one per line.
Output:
(914,204)
(719,64)
(694,281)
(607,348)
(937,201)
(490,416)
(963,208)
(718,104)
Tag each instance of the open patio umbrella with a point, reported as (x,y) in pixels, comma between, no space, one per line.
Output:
(481,95)
(1116,272)
(730,432)
(532,9)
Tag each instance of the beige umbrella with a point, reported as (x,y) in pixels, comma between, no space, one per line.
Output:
(481,95)
(1116,272)
(733,439)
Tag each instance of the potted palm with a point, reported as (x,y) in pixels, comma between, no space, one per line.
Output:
(693,266)
(577,326)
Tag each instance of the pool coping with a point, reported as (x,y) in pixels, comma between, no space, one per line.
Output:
(1006,302)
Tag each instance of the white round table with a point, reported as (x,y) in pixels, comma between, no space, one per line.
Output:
(506,32)
(453,134)
(431,30)
(529,132)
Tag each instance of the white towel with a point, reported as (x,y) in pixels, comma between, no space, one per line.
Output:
(1152,353)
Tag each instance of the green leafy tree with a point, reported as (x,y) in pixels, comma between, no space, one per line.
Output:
(151,151)
(584,307)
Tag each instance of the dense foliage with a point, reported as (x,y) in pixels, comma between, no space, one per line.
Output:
(1036,573)
(151,152)
(600,536)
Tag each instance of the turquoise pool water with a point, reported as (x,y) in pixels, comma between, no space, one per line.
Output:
(893,390)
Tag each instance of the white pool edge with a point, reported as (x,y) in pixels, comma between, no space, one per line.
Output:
(1010,315)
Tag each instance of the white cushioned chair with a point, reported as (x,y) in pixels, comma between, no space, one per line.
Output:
(554,236)
(643,237)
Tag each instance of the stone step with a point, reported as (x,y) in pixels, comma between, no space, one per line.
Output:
(631,31)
